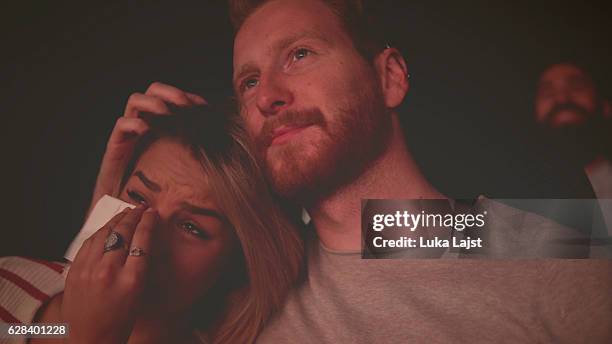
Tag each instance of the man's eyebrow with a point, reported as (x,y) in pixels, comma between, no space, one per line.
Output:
(250,67)
(245,69)
(287,41)
(202,211)
(577,78)
(147,182)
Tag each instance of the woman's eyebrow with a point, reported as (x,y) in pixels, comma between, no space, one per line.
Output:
(147,182)
(202,211)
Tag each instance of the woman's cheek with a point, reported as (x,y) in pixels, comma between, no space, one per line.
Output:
(197,269)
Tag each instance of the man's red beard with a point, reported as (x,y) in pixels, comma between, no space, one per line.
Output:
(353,136)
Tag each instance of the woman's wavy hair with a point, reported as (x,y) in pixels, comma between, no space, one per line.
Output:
(271,258)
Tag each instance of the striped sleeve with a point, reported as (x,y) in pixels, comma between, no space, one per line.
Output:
(25,285)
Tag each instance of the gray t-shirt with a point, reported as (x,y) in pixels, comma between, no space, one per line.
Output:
(346,299)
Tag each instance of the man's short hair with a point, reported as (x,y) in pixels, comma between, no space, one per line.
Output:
(355,15)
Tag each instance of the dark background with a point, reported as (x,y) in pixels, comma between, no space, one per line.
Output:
(68,69)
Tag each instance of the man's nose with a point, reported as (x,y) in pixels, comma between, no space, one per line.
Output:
(273,96)
(563,97)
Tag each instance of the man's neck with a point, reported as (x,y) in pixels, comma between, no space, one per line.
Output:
(394,175)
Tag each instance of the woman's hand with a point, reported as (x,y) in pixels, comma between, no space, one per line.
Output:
(104,289)
(156,101)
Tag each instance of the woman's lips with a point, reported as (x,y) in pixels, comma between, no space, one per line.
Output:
(284,134)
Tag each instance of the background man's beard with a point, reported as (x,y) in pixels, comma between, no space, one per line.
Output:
(581,142)
(355,135)
(580,111)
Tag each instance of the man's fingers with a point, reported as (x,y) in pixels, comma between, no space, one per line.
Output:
(140,248)
(138,103)
(173,95)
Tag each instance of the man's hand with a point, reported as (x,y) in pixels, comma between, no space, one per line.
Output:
(104,289)
(158,100)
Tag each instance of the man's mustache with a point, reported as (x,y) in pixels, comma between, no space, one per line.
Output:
(566,107)
(297,119)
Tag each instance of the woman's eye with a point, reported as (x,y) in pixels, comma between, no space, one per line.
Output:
(194,230)
(300,54)
(136,197)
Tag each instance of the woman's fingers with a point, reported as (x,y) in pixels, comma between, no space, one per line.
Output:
(122,233)
(159,99)
(101,301)
(89,254)
(140,249)
(196,99)
(82,256)
(173,95)
(97,239)
(127,128)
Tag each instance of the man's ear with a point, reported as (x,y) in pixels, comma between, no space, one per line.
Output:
(393,76)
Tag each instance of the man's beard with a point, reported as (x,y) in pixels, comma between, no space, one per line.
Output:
(354,136)
(582,113)
(581,142)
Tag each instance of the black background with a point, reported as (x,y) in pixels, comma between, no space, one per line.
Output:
(68,69)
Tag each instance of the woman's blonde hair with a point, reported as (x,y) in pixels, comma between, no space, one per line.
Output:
(272,248)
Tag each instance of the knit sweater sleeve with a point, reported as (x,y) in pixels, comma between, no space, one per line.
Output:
(25,285)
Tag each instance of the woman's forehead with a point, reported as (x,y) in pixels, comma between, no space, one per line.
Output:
(171,164)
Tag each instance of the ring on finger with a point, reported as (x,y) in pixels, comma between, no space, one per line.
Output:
(113,241)
(137,252)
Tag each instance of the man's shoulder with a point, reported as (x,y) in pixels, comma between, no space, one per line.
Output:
(542,228)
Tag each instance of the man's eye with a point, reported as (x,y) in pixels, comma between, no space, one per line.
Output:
(136,197)
(300,53)
(546,92)
(578,86)
(249,83)
(193,230)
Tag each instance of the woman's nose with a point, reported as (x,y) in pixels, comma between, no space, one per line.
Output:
(160,232)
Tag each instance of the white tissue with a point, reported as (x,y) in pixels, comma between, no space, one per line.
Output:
(105,209)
